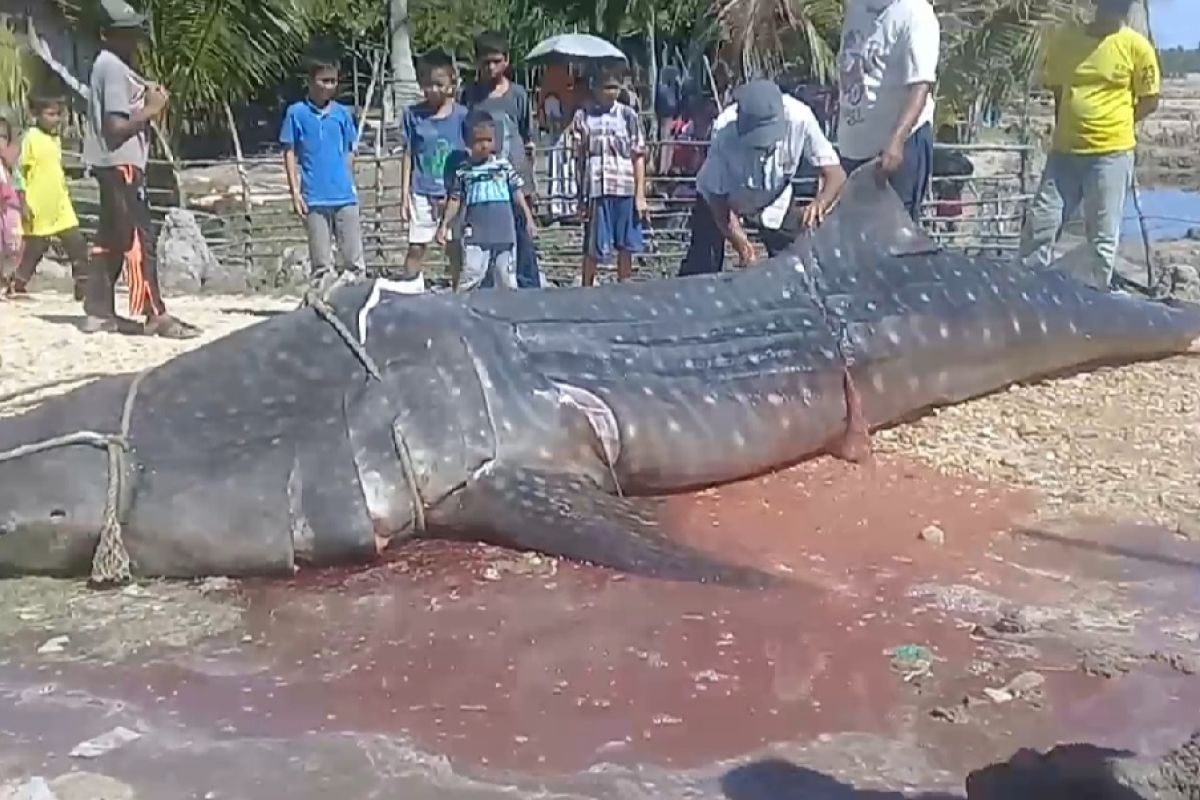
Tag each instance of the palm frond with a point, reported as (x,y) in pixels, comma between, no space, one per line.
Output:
(991,48)
(210,51)
(772,37)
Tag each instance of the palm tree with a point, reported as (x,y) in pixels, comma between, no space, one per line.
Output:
(208,52)
(989,47)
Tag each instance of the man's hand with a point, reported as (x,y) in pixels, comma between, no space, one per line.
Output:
(299,206)
(156,99)
(813,214)
(745,251)
(405,207)
(440,236)
(889,162)
(642,207)
(531,227)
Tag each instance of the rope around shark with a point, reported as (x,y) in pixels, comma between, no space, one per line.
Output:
(110,561)
(111,564)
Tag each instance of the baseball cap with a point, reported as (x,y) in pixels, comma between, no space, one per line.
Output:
(119,14)
(760,118)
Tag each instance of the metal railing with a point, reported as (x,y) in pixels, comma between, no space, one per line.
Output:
(244,210)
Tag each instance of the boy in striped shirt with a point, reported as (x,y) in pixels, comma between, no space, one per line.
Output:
(611,149)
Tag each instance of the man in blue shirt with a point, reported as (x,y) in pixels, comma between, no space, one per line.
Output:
(319,138)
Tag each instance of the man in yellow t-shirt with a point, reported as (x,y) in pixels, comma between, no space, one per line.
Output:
(47,212)
(1105,78)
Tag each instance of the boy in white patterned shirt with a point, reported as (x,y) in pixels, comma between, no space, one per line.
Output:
(611,149)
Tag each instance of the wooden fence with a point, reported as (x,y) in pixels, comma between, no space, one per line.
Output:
(245,213)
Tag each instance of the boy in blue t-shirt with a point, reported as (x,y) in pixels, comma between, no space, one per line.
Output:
(486,189)
(319,137)
(433,134)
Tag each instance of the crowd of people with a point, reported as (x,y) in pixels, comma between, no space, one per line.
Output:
(467,177)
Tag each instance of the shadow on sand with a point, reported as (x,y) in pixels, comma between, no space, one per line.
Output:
(1065,772)
(778,779)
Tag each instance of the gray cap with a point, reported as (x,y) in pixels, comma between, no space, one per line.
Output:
(119,14)
(760,118)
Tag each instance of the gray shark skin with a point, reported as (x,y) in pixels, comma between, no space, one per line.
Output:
(549,420)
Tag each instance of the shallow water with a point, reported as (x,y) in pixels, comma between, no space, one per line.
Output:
(1169,212)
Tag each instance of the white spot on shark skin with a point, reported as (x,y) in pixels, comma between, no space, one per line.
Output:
(710,399)
(786,422)
(893,337)
(739,440)
(1042,324)
(1072,327)
(1016,323)
(986,333)
(877,382)
(710,289)
(646,390)
(631,431)
(914,383)
(971,296)
(687,362)
(775,399)
(944,331)
(673,426)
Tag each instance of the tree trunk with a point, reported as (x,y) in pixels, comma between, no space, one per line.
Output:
(1139,19)
(404,89)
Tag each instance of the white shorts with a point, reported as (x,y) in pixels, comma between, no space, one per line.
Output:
(424,220)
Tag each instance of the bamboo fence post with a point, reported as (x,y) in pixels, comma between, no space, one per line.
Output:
(376,69)
(244,179)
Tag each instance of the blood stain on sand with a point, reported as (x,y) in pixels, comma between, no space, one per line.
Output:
(522,662)
(527,663)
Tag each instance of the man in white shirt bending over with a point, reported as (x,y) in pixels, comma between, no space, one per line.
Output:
(888,66)
(758,145)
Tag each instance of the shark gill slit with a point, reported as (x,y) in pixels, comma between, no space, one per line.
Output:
(855,443)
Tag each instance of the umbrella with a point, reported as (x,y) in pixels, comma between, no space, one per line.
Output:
(568,46)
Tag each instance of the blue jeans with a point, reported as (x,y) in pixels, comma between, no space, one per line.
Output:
(1097,184)
(911,181)
(528,276)
(706,243)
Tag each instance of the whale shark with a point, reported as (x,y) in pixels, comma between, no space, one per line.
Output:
(552,420)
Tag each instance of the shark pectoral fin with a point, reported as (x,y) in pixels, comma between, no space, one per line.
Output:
(569,516)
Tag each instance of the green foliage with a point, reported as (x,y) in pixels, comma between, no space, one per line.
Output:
(990,52)
(989,47)
(776,37)
(209,51)
(14,71)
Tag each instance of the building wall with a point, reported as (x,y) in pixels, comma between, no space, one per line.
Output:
(72,48)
